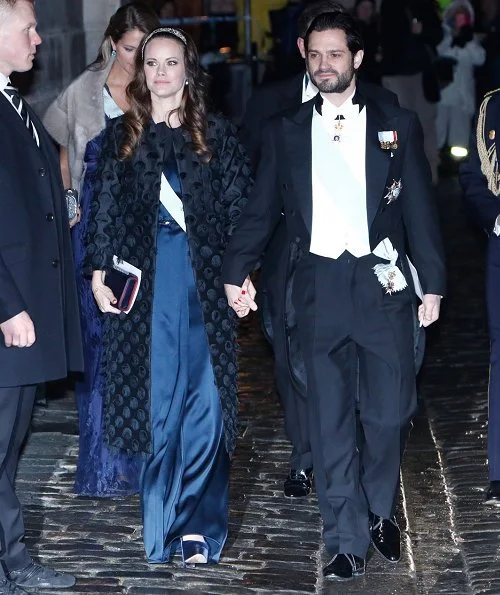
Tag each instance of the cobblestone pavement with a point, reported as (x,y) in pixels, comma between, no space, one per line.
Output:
(451,541)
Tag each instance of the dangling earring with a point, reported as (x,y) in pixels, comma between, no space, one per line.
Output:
(113,54)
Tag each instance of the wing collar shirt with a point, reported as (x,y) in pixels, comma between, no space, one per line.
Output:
(4,82)
(309,89)
(339,220)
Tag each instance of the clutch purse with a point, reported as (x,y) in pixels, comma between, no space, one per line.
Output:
(71,196)
(123,285)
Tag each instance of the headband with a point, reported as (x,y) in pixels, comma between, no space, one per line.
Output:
(175,32)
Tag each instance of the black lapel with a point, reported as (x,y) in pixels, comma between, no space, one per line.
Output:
(377,160)
(292,92)
(298,148)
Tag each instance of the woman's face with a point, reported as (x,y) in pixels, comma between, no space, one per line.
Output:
(164,68)
(126,48)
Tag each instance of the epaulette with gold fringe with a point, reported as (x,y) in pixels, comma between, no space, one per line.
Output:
(487,156)
(489,93)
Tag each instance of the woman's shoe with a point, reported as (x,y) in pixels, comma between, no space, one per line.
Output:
(194,552)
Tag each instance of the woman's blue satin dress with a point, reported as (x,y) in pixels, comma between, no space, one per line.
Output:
(184,483)
(100,472)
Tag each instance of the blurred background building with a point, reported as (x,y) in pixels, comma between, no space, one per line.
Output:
(238,52)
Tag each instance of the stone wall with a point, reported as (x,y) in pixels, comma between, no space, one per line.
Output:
(71,31)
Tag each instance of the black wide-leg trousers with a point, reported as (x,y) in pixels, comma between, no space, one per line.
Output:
(340,303)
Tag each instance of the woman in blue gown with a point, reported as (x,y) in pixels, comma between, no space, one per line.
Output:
(100,472)
(171,183)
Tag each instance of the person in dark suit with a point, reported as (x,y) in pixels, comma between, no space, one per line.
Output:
(348,171)
(38,306)
(481,185)
(267,101)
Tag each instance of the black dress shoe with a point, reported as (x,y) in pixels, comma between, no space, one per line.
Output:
(386,537)
(36,576)
(344,567)
(298,484)
(493,494)
(9,588)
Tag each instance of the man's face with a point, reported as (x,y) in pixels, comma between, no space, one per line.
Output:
(329,62)
(18,38)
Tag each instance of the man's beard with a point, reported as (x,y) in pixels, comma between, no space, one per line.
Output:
(338,85)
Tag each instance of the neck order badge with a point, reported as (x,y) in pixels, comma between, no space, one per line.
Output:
(338,127)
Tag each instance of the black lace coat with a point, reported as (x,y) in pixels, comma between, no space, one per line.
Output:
(123,221)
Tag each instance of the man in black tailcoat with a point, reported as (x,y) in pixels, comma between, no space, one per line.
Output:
(40,329)
(266,102)
(348,171)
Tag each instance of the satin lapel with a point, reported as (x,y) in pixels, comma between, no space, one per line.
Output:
(292,93)
(378,160)
(298,149)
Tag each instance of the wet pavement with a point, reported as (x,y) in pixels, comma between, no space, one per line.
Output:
(451,540)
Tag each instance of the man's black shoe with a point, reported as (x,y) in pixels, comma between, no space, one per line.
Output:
(386,537)
(9,588)
(36,576)
(298,484)
(344,567)
(493,494)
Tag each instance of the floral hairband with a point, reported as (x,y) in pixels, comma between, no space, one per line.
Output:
(175,32)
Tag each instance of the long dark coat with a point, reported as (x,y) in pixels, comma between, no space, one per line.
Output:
(36,259)
(123,221)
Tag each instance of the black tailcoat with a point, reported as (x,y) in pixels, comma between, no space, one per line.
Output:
(266,102)
(123,221)
(284,184)
(36,259)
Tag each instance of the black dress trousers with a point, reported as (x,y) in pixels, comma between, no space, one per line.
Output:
(340,303)
(16,407)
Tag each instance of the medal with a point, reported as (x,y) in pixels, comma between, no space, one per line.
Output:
(388,139)
(338,127)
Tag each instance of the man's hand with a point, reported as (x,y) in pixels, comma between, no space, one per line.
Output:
(428,311)
(241,299)
(18,331)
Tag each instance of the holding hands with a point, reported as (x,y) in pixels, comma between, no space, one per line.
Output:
(241,299)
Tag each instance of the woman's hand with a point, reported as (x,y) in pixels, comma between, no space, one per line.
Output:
(241,299)
(76,218)
(102,293)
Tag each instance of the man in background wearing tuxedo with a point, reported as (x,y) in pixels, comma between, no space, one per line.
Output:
(266,102)
(39,324)
(348,170)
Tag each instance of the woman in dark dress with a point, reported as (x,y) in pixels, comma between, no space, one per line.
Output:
(76,120)
(171,183)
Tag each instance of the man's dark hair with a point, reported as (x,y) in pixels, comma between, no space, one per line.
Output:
(313,10)
(337,20)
